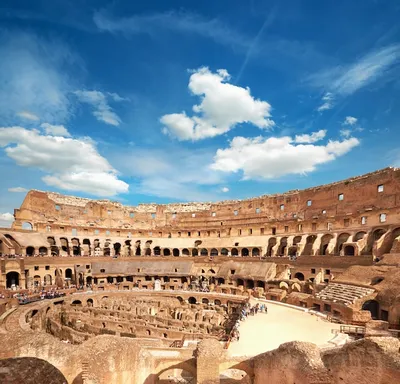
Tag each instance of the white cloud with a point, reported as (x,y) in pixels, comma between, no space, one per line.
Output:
(314,137)
(55,130)
(347,79)
(71,164)
(345,133)
(98,100)
(6,219)
(173,172)
(17,189)
(181,22)
(33,78)
(350,120)
(222,107)
(268,158)
(28,115)
(327,102)
(224,189)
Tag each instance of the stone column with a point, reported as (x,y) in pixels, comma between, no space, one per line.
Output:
(209,355)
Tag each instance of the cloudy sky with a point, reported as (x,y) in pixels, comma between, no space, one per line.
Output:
(163,101)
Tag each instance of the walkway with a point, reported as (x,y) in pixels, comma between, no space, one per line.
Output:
(265,332)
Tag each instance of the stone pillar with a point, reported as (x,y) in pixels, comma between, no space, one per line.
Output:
(209,355)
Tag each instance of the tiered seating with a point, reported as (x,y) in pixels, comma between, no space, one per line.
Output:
(343,293)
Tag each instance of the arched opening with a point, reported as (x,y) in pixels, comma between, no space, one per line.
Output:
(245,252)
(176,375)
(195,252)
(166,252)
(175,252)
(64,245)
(342,238)
(214,252)
(76,247)
(12,279)
(27,226)
(234,252)
(185,252)
(234,376)
(30,251)
(271,245)
(373,307)
(89,302)
(68,273)
(359,235)
(138,251)
(147,252)
(157,251)
(308,249)
(250,284)
(204,252)
(204,301)
(107,249)
(43,251)
(255,252)
(349,250)
(89,280)
(299,276)
(211,272)
(77,303)
(282,246)
(221,280)
(240,282)
(217,302)
(260,284)
(192,300)
(117,249)
(48,280)
(224,252)
(325,240)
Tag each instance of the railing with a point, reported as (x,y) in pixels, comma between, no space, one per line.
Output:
(178,343)
(353,330)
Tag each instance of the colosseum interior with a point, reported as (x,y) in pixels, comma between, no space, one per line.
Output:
(97,292)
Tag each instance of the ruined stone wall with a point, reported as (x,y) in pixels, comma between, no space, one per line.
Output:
(309,210)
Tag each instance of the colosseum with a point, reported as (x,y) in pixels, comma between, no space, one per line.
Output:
(301,287)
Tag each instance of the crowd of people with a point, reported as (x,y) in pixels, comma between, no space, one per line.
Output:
(247,310)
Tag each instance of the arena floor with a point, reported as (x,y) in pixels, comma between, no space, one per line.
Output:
(265,332)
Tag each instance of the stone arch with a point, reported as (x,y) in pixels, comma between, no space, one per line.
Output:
(359,236)
(325,240)
(166,252)
(296,287)
(195,252)
(64,245)
(204,300)
(30,370)
(68,273)
(271,244)
(185,252)
(342,238)
(117,249)
(204,252)
(183,372)
(282,246)
(48,279)
(192,300)
(299,276)
(77,302)
(373,307)
(284,285)
(349,250)
(244,252)
(224,252)
(374,235)
(255,252)
(395,241)
(296,240)
(234,252)
(30,251)
(147,251)
(308,248)
(214,252)
(175,252)
(89,302)
(12,279)
(27,226)
(157,251)
(43,251)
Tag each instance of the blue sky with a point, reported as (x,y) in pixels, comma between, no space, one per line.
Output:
(163,101)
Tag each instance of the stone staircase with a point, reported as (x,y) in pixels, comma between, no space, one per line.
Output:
(343,293)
